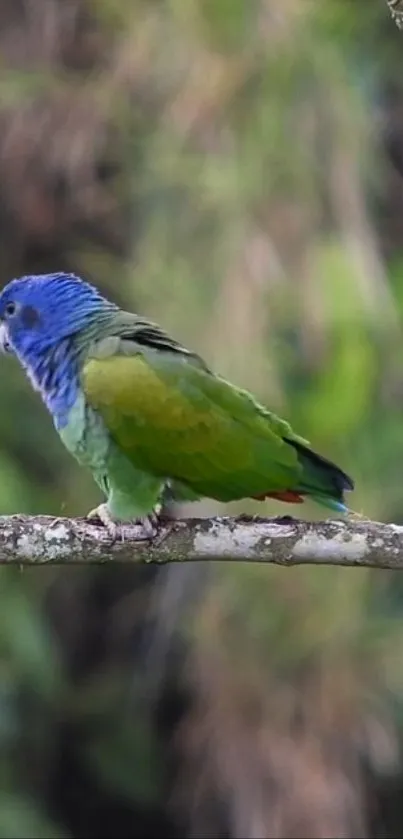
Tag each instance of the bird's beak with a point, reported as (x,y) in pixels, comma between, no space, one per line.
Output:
(5,345)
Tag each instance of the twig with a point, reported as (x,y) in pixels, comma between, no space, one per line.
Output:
(26,540)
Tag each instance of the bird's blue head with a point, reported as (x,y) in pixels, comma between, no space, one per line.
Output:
(40,319)
(37,312)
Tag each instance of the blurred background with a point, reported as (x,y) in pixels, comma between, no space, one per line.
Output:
(233,170)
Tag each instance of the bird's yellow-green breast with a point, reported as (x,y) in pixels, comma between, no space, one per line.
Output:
(181,421)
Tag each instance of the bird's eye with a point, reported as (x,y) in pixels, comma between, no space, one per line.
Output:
(10,309)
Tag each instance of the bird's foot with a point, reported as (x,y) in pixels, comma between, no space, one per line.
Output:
(139,530)
(354,516)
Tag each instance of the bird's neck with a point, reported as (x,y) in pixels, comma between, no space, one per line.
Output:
(55,374)
(55,371)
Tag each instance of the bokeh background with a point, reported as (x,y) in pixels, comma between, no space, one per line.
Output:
(234,170)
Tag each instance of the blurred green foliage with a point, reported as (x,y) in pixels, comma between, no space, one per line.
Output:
(220,166)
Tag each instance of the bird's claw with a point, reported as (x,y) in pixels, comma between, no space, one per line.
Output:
(354,516)
(102,514)
(140,530)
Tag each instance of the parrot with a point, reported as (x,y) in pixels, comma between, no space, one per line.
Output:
(146,415)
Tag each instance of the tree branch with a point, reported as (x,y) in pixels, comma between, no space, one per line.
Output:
(396,10)
(26,540)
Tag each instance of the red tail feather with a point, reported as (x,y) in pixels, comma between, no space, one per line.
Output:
(289,496)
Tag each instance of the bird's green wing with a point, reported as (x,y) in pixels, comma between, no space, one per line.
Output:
(173,418)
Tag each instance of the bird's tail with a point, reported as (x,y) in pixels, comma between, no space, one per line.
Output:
(322,480)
